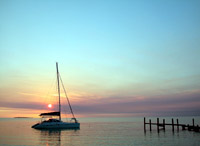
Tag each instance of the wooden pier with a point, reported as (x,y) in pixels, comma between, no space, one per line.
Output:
(162,125)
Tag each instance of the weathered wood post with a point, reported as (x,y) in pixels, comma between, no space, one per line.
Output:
(158,125)
(193,122)
(144,124)
(172,124)
(183,127)
(197,128)
(164,124)
(189,127)
(150,124)
(177,124)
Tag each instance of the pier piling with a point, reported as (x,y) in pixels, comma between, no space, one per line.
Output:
(150,124)
(197,128)
(183,127)
(172,124)
(177,124)
(193,122)
(158,125)
(164,124)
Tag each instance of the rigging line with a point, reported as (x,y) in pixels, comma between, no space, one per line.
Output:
(51,98)
(65,110)
(48,93)
(67,97)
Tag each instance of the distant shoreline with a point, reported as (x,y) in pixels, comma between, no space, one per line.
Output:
(22,117)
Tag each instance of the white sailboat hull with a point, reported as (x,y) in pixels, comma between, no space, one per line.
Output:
(56,125)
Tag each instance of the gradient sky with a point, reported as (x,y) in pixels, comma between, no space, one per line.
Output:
(115,56)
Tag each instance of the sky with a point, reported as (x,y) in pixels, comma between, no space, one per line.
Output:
(116,57)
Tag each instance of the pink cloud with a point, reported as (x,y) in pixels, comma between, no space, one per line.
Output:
(179,103)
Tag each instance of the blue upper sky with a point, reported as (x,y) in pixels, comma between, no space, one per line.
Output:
(105,48)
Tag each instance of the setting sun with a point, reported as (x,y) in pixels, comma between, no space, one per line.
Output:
(49,105)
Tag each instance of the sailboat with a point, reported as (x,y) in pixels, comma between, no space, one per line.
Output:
(53,123)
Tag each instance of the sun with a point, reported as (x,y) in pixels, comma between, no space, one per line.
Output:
(49,105)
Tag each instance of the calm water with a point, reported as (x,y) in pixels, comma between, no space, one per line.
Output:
(96,132)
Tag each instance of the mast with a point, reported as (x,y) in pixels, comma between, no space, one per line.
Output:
(58,89)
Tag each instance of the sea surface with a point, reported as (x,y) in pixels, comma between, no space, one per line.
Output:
(97,132)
